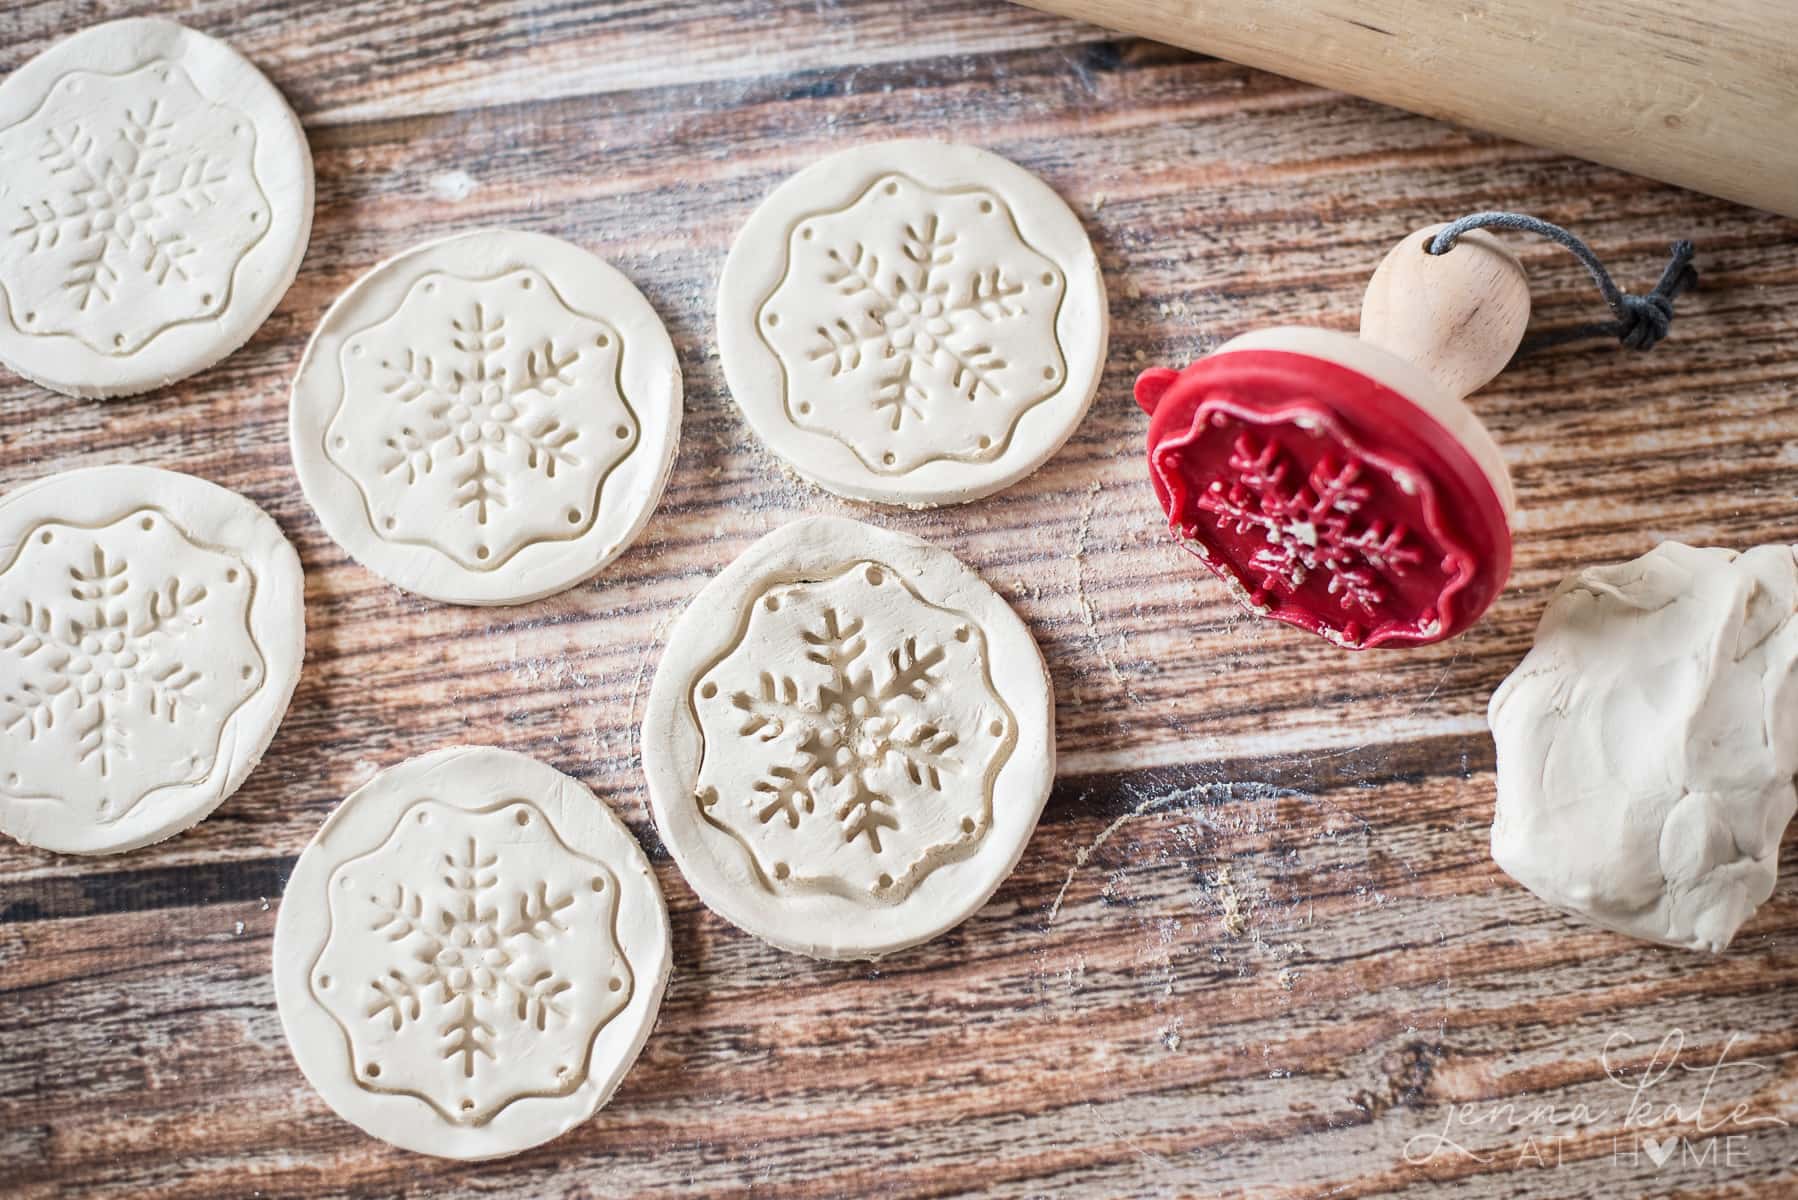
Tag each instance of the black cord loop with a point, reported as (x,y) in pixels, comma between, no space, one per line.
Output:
(1639,322)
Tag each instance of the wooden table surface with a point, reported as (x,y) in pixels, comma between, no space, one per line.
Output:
(1256,947)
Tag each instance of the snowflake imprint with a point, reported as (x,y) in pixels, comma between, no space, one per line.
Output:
(481,416)
(114,677)
(471,415)
(872,757)
(847,730)
(471,959)
(912,323)
(141,200)
(119,202)
(464,961)
(915,324)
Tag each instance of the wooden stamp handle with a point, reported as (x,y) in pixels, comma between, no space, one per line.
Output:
(1458,315)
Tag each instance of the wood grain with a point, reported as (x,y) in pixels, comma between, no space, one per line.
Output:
(1256,947)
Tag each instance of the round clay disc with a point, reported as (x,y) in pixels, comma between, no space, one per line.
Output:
(913,323)
(849,740)
(470,954)
(157,198)
(151,631)
(487,419)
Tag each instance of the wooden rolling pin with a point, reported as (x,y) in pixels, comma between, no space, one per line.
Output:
(1702,93)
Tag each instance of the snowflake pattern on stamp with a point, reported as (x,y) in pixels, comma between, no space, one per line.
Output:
(142,189)
(852,734)
(472,959)
(124,652)
(1309,525)
(481,416)
(915,325)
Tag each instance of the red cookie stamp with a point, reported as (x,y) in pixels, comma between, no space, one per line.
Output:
(1340,484)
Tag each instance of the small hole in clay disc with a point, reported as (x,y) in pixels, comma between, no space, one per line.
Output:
(781,870)
(986,206)
(1048,279)
(967,824)
(324,981)
(886,881)
(468,1106)
(482,552)
(206,298)
(390,522)
(996,728)
(615,984)
(574,516)
(599,883)
(805,406)
(961,633)
(889,458)
(773,319)
(806,233)
(522,817)
(772,603)
(986,443)
(118,339)
(247,672)
(1048,372)
(602,340)
(231,575)
(147,523)
(876,576)
(623,431)
(374,1070)
(525,284)
(892,189)
(709,690)
(45,537)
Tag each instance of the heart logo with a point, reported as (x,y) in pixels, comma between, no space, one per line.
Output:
(1660,1151)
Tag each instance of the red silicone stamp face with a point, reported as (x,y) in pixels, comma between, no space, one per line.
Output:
(1325,500)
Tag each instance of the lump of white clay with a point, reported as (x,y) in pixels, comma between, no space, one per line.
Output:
(1647,744)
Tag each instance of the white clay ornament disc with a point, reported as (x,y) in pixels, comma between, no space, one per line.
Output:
(470,954)
(487,419)
(151,631)
(849,740)
(155,201)
(913,323)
